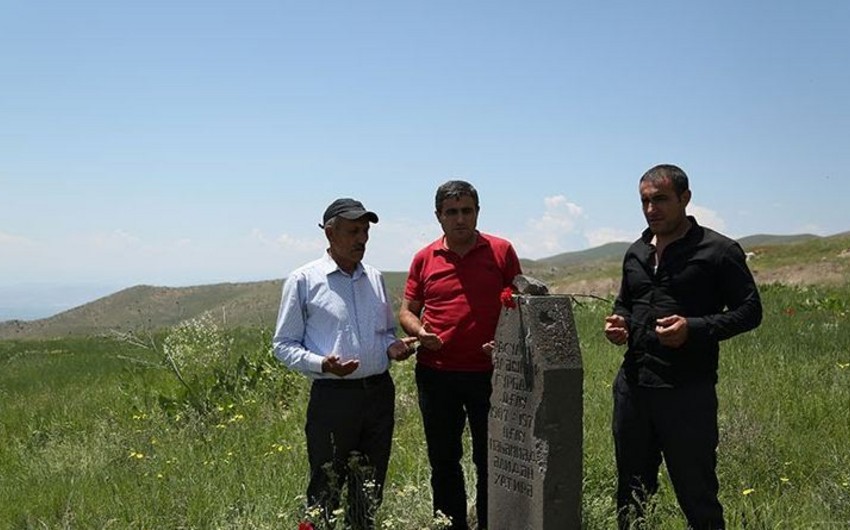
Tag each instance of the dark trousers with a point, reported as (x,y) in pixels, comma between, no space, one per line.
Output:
(447,400)
(681,425)
(349,434)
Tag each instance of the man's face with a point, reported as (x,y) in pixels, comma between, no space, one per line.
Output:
(458,218)
(663,209)
(347,240)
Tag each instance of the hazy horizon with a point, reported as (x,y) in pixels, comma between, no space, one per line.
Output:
(34,301)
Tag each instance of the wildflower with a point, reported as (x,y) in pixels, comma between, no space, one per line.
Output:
(784,480)
(305,525)
(507,298)
(790,311)
(441,520)
(748,491)
(196,344)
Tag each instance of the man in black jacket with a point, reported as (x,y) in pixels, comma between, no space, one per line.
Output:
(684,289)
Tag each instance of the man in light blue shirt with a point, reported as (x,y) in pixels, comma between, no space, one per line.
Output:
(336,326)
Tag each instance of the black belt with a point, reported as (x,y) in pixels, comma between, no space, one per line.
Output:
(363,382)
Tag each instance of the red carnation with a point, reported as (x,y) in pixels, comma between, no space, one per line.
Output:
(507,298)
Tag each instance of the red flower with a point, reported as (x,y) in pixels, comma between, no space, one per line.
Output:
(507,298)
(305,525)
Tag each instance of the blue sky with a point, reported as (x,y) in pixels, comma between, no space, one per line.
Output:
(178,143)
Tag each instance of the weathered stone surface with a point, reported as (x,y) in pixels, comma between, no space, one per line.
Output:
(528,285)
(535,430)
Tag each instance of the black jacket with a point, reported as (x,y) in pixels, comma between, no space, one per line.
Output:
(704,277)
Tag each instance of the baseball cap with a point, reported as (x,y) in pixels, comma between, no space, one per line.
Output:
(348,209)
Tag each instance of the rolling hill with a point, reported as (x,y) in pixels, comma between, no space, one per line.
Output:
(798,259)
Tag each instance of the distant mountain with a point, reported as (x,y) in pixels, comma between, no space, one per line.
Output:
(149,307)
(604,252)
(616,250)
(796,259)
(760,240)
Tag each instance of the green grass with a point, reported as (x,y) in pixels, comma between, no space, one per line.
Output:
(98,433)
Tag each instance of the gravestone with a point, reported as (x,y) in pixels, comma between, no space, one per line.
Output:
(535,429)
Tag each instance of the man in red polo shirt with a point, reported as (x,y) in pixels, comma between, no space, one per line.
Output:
(452,305)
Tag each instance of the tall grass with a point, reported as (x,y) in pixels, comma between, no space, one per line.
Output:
(100,433)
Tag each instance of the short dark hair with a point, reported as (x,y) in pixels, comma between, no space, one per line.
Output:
(668,171)
(455,189)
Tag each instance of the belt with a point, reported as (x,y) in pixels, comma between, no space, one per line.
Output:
(363,382)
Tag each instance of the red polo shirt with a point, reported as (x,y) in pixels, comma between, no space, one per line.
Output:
(461,301)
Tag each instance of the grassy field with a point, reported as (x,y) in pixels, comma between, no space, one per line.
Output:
(102,433)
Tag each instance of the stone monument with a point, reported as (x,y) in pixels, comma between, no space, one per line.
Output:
(535,430)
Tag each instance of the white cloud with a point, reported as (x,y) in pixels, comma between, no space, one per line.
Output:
(116,240)
(811,228)
(12,240)
(289,243)
(546,235)
(559,215)
(707,217)
(601,236)
(392,243)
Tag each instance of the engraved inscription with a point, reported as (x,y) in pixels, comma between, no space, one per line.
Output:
(511,455)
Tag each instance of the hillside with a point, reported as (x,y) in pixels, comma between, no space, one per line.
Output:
(149,307)
(762,240)
(797,260)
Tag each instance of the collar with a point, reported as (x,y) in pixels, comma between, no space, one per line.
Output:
(328,266)
(647,234)
(440,244)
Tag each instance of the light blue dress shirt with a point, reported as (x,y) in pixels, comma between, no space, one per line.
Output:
(324,310)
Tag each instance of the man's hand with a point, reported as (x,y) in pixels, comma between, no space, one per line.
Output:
(332,365)
(402,349)
(672,331)
(616,330)
(428,339)
(488,347)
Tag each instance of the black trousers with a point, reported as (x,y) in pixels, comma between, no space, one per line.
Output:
(681,425)
(447,400)
(349,434)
